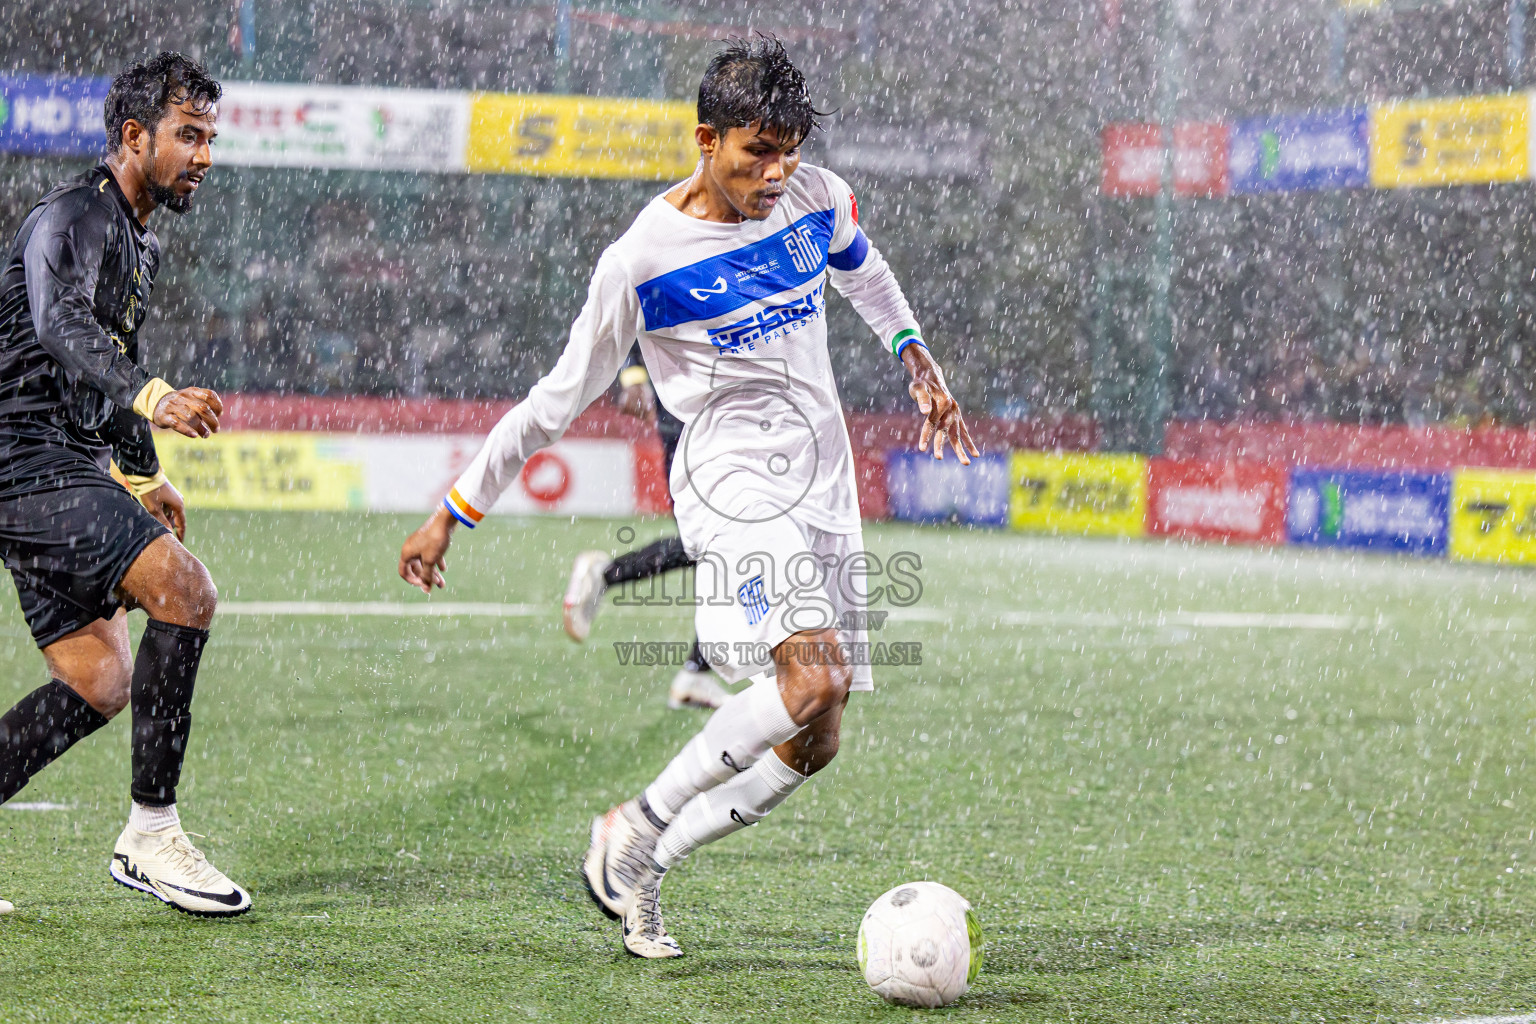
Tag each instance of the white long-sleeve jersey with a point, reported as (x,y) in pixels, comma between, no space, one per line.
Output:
(731,322)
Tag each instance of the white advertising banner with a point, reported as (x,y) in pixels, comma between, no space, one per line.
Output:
(257,469)
(263,124)
(578,477)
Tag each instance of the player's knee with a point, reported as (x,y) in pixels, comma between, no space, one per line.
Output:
(819,679)
(829,688)
(202,596)
(191,596)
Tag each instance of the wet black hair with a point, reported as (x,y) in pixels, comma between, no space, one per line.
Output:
(145,89)
(754,82)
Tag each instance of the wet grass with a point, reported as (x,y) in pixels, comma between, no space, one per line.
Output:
(1156,822)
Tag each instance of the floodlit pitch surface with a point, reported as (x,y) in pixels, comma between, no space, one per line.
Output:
(1177,783)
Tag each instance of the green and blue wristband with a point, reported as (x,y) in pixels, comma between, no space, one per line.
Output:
(905,338)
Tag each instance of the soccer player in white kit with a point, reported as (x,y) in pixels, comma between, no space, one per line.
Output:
(721,278)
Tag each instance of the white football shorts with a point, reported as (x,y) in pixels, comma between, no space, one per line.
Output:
(760,582)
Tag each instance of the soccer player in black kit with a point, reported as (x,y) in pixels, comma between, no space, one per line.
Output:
(81,548)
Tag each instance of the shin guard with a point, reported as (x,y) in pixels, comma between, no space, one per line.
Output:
(163,677)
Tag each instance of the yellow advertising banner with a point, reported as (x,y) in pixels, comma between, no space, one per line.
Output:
(581,137)
(261,470)
(1493,515)
(1103,495)
(1465,141)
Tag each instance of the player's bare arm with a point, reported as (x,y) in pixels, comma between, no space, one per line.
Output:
(941,413)
(423,558)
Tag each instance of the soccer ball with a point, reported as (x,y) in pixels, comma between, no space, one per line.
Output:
(920,945)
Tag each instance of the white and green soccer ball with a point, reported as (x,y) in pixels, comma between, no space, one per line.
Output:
(920,945)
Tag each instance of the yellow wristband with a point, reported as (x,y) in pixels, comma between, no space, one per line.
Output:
(142,485)
(632,375)
(149,398)
(138,486)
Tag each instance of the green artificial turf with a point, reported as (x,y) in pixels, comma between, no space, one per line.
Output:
(1156,819)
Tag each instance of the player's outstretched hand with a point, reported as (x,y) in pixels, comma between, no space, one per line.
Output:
(190,411)
(422,556)
(165,504)
(941,413)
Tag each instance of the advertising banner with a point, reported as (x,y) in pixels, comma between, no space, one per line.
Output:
(1133,159)
(1493,515)
(1225,501)
(1301,151)
(573,477)
(922,489)
(268,125)
(280,470)
(1103,495)
(581,137)
(261,470)
(1407,512)
(1465,141)
(52,115)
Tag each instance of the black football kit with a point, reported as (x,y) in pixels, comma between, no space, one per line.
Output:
(72,298)
(72,398)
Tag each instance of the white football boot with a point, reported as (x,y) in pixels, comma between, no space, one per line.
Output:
(692,689)
(166,865)
(619,854)
(584,594)
(644,934)
(5,907)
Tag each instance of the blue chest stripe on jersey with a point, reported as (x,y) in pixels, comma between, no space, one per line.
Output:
(707,289)
(851,258)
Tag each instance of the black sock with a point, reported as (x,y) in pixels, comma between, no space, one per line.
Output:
(696,662)
(655,558)
(42,725)
(163,676)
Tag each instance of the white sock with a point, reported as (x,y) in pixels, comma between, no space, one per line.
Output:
(743,729)
(743,801)
(152,819)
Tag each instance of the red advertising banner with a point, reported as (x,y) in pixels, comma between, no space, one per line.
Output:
(1227,501)
(1133,159)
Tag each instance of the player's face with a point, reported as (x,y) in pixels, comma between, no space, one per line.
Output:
(750,167)
(180,153)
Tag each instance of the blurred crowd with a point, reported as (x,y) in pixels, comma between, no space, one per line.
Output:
(1409,306)
(1371,381)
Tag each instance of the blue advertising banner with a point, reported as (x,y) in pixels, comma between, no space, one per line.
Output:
(922,489)
(52,115)
(1386,511)
(1302,151)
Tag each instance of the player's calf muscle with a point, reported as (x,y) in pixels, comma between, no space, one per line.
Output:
(96,662)
(815,748)
(100,676)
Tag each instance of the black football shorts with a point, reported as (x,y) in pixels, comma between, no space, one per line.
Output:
(68,533)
